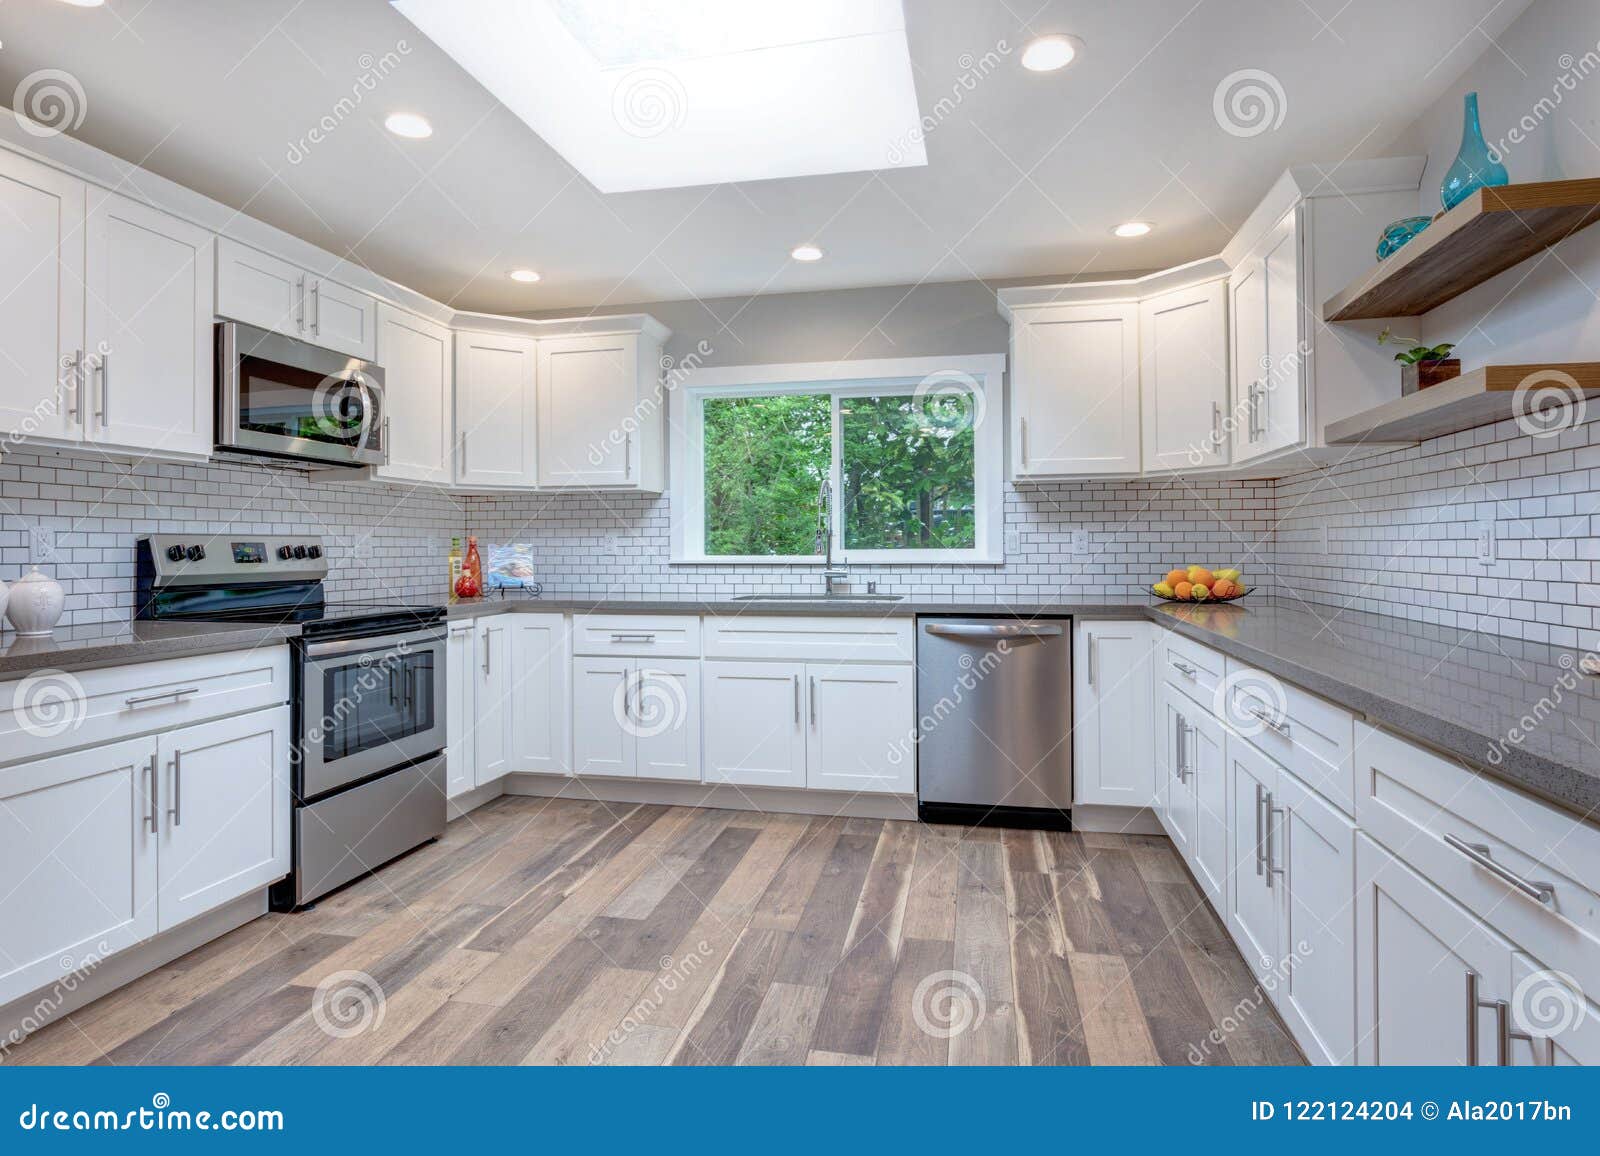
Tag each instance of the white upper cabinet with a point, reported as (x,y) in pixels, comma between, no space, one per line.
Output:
(41,300)
(417,377)
(1183,369)
(1271,357)
(496,419)
(149,345)
(600,411)
(271,293)
(1075,390)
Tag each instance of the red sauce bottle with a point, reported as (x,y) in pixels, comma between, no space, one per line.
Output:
(470,584)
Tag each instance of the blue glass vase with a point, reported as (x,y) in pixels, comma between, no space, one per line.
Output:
(1475,166)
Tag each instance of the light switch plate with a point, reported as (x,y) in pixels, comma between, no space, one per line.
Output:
(1483,539)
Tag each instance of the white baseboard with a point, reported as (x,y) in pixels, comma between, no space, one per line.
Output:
(469,801)
(74,990)
(1115,820)
(766,799)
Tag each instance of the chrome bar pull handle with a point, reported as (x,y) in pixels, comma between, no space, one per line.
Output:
(1023,438)
(1093,647)
(316,308)
(797,700)
(1483,856)
(813,700)
(1216,428)
(177,695)
(176,811)
(1271,858)
(102,367)
(627,455)
(151,783)
(1261,858)
(1184,668)
(300,304)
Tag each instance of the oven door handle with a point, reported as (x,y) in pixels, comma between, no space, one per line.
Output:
(350,646)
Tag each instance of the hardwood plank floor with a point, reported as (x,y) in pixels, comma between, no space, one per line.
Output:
(548,931)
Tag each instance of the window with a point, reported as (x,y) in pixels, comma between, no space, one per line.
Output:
(901,449)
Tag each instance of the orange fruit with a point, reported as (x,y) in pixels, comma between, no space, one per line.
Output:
(1182,589)
(1200,576)
(1223,588)
(1176,576)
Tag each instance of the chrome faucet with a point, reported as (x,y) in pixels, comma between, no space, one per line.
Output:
(831,571)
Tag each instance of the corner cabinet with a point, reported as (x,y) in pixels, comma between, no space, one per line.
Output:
(497,433)
(416,355)
(1075,390)
(602,409)
(1270,354)
(1183,365)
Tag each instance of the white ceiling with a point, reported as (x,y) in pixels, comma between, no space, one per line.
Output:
(1026,172)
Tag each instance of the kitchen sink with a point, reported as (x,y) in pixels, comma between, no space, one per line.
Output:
(818,597)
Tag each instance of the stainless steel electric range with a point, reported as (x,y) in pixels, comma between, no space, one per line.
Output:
(368,695)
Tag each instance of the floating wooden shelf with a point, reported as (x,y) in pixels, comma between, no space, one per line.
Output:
(1481,397)
(1490,231)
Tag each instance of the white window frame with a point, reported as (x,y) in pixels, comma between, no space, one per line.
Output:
(842,379)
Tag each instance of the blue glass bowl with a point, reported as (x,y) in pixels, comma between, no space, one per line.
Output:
(1396,233)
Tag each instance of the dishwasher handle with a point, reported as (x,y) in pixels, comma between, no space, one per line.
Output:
(995,630)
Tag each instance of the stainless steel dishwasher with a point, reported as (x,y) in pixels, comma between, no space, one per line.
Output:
(994,721)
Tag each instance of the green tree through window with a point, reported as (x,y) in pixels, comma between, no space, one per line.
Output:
(765,459)
(909,470)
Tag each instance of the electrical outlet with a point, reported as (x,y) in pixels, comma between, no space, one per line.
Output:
(1483,539)
(42,544)
(1080,541)
(614,544)
(1013,541)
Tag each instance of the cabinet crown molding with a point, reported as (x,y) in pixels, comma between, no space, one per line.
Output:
(1128,289)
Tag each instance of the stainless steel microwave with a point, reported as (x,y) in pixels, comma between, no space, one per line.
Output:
(289,399)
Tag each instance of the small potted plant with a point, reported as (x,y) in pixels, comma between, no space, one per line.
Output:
(1422,365)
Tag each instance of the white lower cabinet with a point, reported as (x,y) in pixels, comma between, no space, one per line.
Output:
(537,741)
(1195,788)
(492,700)
(78,856)
(1113,756)
(636,718)
(1251,912)
(105,847)
(826,726)
(1419,956)
(859,728)
(223,806)
(756,731)
(461,717)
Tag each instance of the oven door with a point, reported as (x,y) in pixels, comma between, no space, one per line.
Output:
(368,705)
(283,397)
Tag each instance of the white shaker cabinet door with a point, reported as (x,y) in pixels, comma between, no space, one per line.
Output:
(664,715)
(860,721)
(602,743)
(755,733)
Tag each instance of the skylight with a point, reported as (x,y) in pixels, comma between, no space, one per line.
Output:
(656,94)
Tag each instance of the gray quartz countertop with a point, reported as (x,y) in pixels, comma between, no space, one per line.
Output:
(1521,712)
(120,642)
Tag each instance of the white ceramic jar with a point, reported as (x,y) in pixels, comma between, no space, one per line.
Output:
(35,604)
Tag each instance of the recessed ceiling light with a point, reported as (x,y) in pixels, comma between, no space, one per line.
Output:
(1048,53)
(523,275)
(1132,229)
(806,253)
(85,3)
(409,125)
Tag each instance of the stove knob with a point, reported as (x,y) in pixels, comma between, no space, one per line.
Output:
(299,551)
(285,552)
(175,553)
(313,551)
(196,553)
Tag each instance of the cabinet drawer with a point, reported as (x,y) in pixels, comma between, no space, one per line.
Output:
(1194,669)
(1309,736)
(50,710)
(1488,847)
(666,635)
(803,638)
